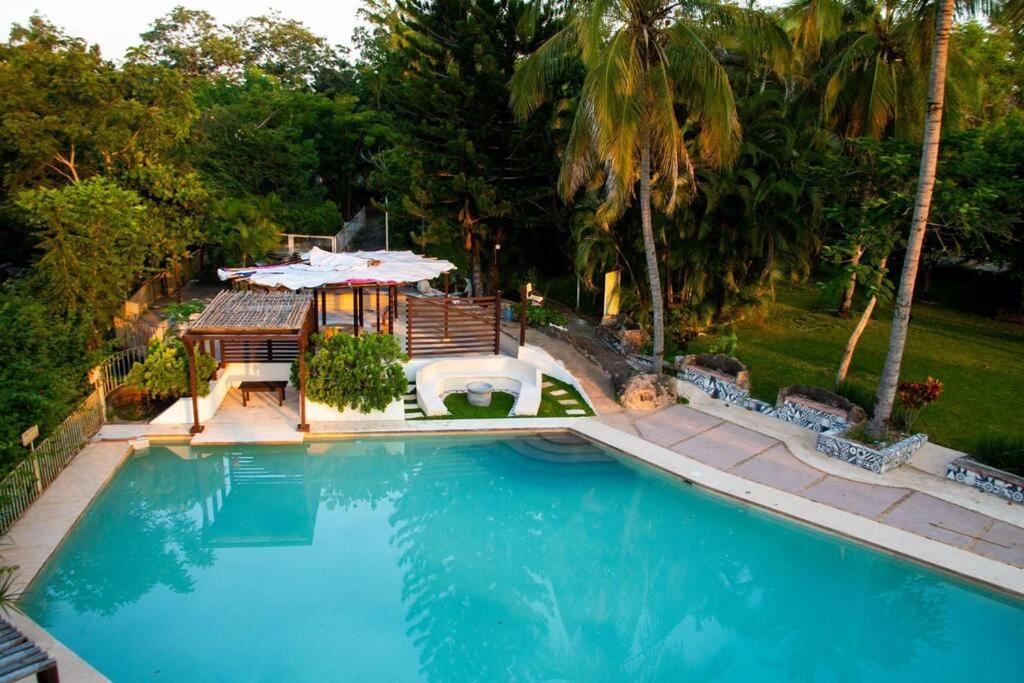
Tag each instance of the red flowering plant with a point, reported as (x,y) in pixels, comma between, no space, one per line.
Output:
(915,397)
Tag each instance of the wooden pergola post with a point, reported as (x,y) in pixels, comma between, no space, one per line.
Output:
(303,426)
(497,323)
(316,315)
(523,302)
(377,309)
(392,307)
(191,351)
(355,311)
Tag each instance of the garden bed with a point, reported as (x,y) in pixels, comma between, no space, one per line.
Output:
(129,404)
(988,479)
(878,458)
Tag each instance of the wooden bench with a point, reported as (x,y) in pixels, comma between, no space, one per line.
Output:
(265,387)
(20,657)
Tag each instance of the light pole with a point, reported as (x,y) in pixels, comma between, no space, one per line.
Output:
(387,241)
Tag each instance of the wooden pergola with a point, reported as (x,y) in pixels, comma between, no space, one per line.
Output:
(253,327)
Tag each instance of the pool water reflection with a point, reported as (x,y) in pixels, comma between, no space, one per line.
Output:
(498,558)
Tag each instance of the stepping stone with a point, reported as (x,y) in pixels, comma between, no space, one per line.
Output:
(569,402)
(559,392)
(415,415)
(547,385)
(575,411)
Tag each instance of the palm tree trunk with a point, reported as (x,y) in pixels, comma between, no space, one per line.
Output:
(862,324)
(846,305)
(650,251)
(851,343)
(925,183)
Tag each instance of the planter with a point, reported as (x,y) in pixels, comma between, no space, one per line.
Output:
(817,409)
(717,375)
(833,444)
(479,394)
(988,479)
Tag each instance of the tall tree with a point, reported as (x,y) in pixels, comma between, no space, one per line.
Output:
(462,167)
(890,378)
(867,61)
(651,74)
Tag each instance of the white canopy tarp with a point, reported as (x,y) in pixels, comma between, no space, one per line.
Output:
(320,268)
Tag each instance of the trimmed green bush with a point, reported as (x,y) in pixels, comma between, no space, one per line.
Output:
(540,316)
(164,373)
(364,373)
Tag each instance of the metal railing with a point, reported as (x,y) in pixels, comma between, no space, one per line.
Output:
(295,243)
(112,371)
(161,285)
(29,478)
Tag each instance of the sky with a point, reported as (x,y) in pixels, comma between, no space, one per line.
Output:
(116,24)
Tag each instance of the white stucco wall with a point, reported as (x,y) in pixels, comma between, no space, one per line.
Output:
(231,376)
(321,412)
(451,374)
(551,366)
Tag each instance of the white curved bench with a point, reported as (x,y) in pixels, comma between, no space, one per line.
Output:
(505,374)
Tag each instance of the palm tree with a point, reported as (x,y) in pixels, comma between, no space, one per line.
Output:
(886,396)
(655,104)
(870,59)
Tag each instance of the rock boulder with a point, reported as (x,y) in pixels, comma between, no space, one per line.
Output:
(647,392)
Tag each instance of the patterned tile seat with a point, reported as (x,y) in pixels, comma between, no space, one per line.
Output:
(805,402)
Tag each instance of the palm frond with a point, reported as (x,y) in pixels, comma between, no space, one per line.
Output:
(703,86)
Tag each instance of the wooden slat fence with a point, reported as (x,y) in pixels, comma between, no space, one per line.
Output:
(448,326)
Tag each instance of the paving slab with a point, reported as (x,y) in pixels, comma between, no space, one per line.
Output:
(779,468)
(853,496)
(1003,542)
(937,519)
(724,446)
(673,424)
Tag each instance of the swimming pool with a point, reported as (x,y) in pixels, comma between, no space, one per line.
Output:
(497,558)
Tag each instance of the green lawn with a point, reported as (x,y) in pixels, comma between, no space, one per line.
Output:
(979,360)
(501,403)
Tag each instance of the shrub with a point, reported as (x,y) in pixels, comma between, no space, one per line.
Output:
(725,344)
(858,395)
(540,316)
(913,398)
(1001,452)
(364,373)
(164,372)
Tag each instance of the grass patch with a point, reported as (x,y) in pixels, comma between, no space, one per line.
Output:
(1001,452)
(795,341)
(550,406)
(458,406)
(502,403)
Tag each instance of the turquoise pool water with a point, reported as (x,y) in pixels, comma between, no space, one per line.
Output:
(465,559)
